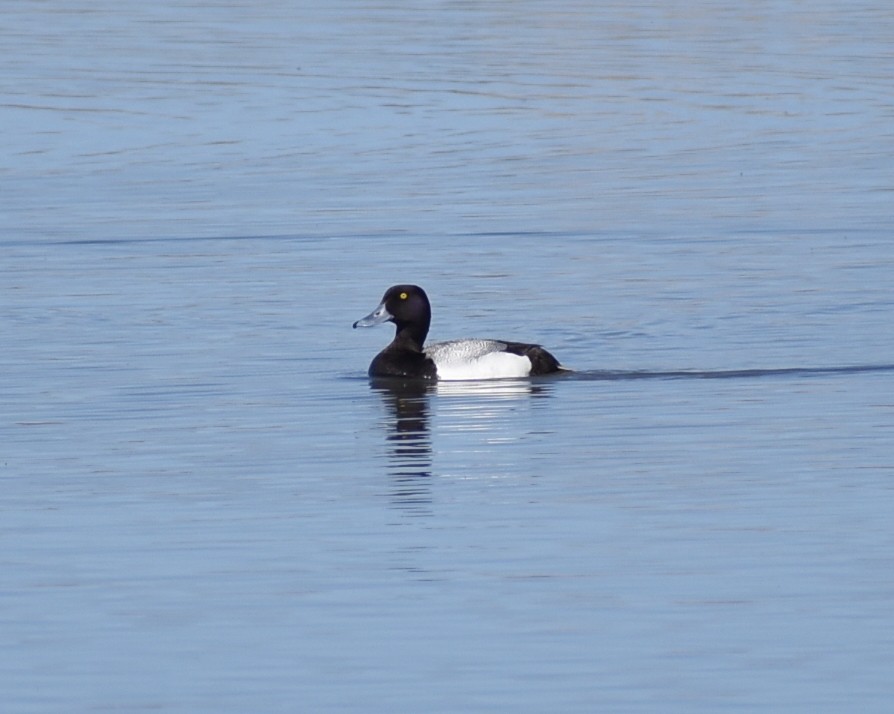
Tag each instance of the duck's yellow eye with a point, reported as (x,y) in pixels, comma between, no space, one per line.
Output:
(403,296)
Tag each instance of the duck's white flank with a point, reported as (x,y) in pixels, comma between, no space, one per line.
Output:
(476,359)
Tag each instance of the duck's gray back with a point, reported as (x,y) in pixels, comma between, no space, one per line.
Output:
(462,350)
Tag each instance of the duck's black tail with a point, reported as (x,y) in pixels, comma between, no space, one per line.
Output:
(542,362)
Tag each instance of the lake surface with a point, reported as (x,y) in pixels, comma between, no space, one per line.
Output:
(205,506)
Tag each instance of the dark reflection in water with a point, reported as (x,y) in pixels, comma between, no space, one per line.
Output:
(409,441)
(408,409)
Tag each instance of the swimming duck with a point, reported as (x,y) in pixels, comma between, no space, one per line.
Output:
(407,306)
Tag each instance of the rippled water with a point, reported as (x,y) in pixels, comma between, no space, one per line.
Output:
(207,507)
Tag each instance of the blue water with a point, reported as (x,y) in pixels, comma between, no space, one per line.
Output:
(205,506)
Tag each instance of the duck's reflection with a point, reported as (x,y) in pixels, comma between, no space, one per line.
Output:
(409,441)
(408,415)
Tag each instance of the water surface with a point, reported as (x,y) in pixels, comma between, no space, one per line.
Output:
(207,507)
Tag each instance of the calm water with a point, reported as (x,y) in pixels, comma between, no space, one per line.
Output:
(206,507)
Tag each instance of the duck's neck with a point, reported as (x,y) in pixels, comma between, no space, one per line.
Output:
(411,336)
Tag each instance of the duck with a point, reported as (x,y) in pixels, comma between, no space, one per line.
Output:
(408,357)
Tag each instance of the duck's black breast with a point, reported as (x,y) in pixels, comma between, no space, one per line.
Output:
(396,361)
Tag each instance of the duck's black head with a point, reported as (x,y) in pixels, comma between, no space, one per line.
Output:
(408,308)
